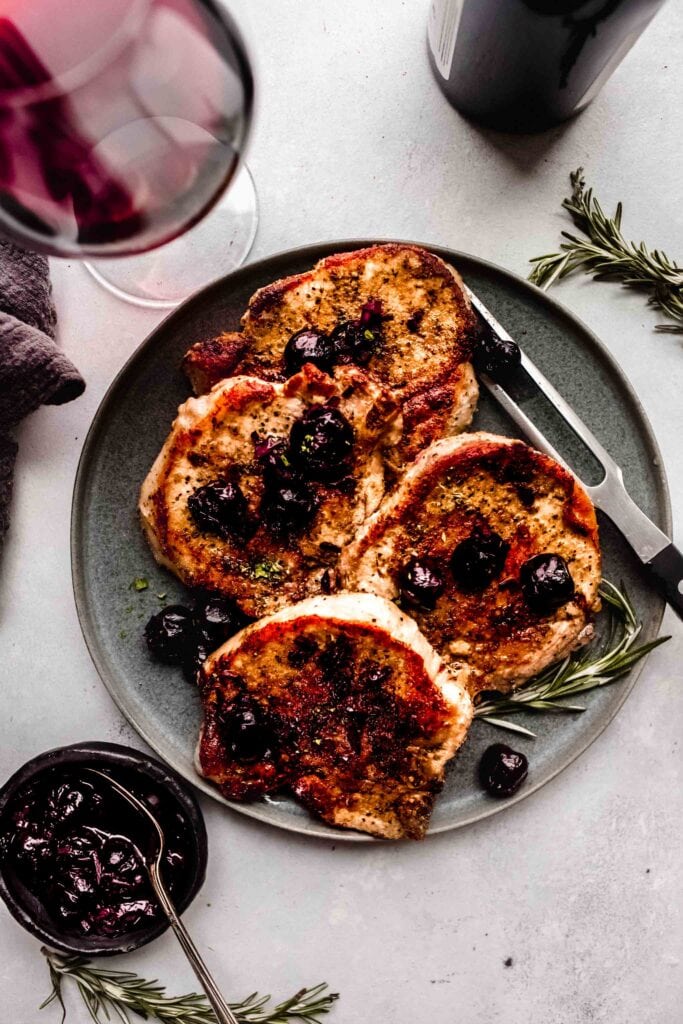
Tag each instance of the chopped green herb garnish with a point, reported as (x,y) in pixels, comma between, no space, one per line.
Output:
(123,634)
(140,583)
(269,570)
(162,597)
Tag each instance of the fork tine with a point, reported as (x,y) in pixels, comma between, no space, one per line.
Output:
(554,397)
(537,438)
(569,416)
(652,546)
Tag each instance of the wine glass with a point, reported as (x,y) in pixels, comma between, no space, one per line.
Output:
(121,125)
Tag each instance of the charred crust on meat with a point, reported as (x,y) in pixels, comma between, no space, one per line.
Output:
(213,359)
(303,649)
(414,320)
(271,294)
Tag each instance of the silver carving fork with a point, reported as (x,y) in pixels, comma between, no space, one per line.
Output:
(654,549)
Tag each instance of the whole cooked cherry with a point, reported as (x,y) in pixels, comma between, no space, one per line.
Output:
(502,770)
(321,443)
(217,619)
(546,582)
(68,801)
(221,508)
(478,559)
(353,343)
(195,658)
(308,346)
(497,357)
(120,918)
(32,847)
(344,340)
(170,634)
(246,733)
(288,507)
(78,848)
(273,456)
(420,583)
(121,866)
(74,887)
(66,901)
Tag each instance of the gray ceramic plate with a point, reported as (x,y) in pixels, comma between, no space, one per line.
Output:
(109,553)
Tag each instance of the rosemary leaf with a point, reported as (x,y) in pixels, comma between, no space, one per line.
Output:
(113,995)
(585,670)
(607,255)
(510,726)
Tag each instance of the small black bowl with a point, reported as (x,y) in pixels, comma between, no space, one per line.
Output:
(121,762)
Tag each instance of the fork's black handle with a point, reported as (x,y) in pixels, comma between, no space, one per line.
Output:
(667,567)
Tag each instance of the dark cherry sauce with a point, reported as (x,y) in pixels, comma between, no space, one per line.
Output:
(76,846)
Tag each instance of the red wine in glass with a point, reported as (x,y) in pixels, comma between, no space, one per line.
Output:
(121,125)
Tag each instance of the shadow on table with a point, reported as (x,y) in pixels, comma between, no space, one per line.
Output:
(524,151)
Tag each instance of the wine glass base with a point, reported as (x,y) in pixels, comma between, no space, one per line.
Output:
(218,244)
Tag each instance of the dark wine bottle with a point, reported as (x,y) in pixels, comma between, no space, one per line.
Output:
(525,65)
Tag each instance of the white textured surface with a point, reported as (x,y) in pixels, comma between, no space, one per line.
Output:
(581,884)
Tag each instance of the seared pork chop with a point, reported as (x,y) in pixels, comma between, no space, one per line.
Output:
(493,547)
(342,701)
(407,315)
(260,484)
(209,362)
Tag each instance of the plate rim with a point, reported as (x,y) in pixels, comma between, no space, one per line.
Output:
(317,250)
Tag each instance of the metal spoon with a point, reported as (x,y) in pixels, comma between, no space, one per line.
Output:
(152,863)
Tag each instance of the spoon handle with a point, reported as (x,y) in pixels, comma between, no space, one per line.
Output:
(223,1012)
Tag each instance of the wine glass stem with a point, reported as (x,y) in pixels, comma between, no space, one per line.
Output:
(223,1012)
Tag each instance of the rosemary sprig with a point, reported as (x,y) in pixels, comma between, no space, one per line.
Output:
(586,670)
(606,254)
(113,995)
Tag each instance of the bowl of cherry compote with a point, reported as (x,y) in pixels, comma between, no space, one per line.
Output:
(72,851)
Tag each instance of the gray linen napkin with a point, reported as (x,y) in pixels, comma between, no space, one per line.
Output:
(33,371)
